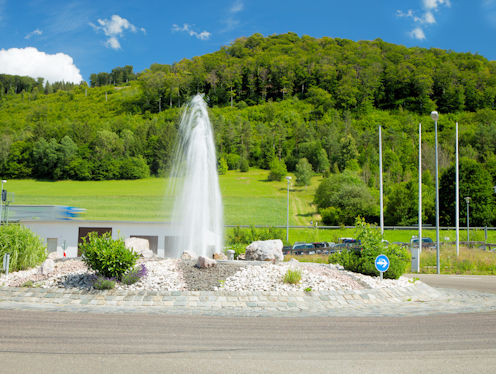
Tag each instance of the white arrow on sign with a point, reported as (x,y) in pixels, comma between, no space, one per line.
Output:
(382,263)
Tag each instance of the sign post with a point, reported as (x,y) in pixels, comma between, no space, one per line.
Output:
(382,264)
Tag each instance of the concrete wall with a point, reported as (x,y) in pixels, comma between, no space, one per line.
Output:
(66,233)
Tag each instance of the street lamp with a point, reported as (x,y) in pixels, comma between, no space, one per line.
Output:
(1,202)
(287,212)
(435,117)
(467,199)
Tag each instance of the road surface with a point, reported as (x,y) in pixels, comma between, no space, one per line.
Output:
(480,283)
(136,343)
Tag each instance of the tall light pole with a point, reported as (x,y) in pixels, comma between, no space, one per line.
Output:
(435,117)
(1,203)
(380,182)
(420,190)
(467,199)
(287,212)
(457,192)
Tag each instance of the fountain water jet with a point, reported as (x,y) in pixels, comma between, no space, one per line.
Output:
(198,214)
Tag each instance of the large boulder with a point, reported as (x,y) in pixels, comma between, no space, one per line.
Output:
(47,267)
(265,250)
(140,246)
(205,262)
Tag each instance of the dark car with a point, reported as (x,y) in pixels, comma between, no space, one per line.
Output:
(426,243)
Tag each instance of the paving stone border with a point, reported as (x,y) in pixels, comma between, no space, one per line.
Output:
(416,299)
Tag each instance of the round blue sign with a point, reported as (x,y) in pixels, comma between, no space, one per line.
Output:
(382,263)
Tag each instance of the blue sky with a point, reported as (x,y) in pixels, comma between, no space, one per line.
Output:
(64,39)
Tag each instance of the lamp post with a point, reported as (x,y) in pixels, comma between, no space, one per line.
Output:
(287,212)
(380,182)
(435,117)
(420,190)
(1,203)
(467,199)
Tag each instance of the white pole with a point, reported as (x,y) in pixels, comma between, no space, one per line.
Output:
(380,182)
(1,203)
(457,192)
(287,213)
(420,192)
(435,117)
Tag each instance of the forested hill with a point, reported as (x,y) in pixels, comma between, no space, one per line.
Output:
(280,97)
(357,75)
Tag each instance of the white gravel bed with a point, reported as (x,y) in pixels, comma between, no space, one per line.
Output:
(161,275)
(321,277)
(165,275)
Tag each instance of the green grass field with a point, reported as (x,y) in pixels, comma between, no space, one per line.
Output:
(249,199)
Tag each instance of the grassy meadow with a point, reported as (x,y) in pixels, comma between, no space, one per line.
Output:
(249,199)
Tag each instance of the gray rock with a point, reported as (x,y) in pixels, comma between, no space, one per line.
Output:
(53,255)
(205,262)
(188,256)
(265,250)
(140,246)
(219,256)
(47,266)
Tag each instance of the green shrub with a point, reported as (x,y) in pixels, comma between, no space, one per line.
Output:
(292,276)
(240,235)
(109,258)
(25,247)
(102,283)
(362,259)
(277,169)
(233,161)
(222,166)
(244,165)
(303,172)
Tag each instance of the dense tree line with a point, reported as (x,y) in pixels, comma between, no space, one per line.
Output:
(15,84)
(117,77)
(282,103)
(332,73)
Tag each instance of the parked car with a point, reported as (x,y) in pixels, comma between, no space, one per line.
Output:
(426,242)
(301,248)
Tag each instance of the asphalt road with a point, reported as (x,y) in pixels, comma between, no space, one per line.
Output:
(481,283)
(48,342)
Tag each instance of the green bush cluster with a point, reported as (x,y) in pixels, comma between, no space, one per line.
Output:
(26,249)
(102,283)
(362,259)
(292,276)
(277,169)
(108,257)
(248,235)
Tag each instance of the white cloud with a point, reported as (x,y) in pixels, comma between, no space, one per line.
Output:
(434,4)
(33,63)
(237,7)
(417,33)
(204,35)
(114,29)
(33,33)
(231,21)
(427,16)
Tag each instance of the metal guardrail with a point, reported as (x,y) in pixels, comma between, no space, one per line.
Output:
(353,227)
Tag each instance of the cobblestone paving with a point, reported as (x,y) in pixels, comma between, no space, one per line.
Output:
(417,299)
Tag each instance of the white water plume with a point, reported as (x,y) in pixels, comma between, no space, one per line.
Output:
(197,218)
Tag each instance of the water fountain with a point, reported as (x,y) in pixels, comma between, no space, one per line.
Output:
(198,215)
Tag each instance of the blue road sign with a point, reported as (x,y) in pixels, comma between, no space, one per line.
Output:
(382,263)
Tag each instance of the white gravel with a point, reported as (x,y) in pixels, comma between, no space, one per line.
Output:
(321,277)
(164,274)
